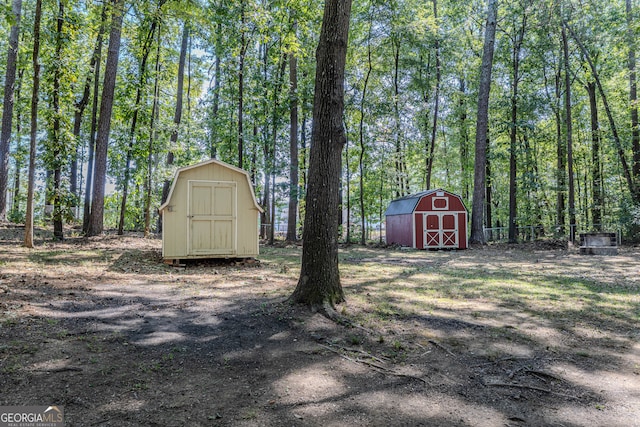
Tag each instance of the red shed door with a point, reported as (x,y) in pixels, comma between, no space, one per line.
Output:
(441,230)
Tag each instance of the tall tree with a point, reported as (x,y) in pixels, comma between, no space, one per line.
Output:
(95,69)
(489,193)
(319,282)
(517,38)
(569,136)
(561,157)
(293,147)
(142,76)
(19,153)
(477,213)
(96,217)
(265,218)
(177,115)
(345,189)
(633,88)
(465,161)
(361,155)
(596,176)
(56,138)
(80,106)
(399,154)
(28,223)
(244,44)
(275,121)
(7,106)
(152,137)
(436,102)
(634,189)
(215,104)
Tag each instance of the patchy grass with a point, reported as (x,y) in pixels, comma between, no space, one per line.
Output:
(504,335)
(389,290)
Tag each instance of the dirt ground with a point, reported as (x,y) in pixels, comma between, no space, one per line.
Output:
(522,335)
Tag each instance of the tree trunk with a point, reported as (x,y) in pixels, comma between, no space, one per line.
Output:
(319,282)
(425,80)
(303,147)
(380,204)
(275,120)
(254,155)
(513,186)
(347,168)
(152,137)
(265,217)
(216,101)
(56,142)
(273,209)
(243,50)
(489,194)
(77,124)
(7,106)
(142,72)
(363,214)
(94,120)
(293,149)
(303,159)
(125,184)
(28,226)
(177,117)
(596,177)
(15,204)
(464,140)
(569,136)
(513,134)
(399,154)
(81,105)
(96,217)
(436,103)
(633,90)
(633,187)
(189,75)
(477,220)
(561,155)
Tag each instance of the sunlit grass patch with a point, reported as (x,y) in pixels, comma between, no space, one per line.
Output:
(393,290)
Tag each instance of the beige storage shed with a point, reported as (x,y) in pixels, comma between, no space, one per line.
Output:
(210,212)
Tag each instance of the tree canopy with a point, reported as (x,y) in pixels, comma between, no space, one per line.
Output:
(563,144)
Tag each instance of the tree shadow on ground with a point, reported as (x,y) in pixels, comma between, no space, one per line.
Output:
(202,347)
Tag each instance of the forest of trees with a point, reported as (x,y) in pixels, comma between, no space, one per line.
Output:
(110,97)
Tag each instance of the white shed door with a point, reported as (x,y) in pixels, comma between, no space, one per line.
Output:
(441,230)
(212,218)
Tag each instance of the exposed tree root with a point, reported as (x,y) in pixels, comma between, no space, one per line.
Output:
(328,310)
(61,369)
(530,387)
(542,374)
(441,347)
(376,366)
(357,350)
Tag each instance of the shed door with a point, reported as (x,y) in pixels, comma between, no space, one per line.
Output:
(441,230)
(212,218)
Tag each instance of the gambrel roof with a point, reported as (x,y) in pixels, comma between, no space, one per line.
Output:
(206,163)
(407,204)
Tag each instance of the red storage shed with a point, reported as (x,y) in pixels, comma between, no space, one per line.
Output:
(432,219)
